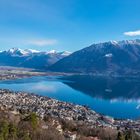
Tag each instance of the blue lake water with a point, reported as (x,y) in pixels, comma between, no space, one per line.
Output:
(117,97)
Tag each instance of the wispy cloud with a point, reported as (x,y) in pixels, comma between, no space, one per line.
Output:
(42,42)
(37,42)
(132,33)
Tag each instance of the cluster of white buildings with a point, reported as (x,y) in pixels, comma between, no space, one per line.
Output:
(24,103)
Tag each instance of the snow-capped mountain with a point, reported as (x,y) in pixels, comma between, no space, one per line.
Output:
(29,51)
(30,58)
(19,52)
(108,57)
(16,51)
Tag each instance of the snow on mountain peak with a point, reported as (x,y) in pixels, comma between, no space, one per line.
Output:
(21,52)
(31,51)
(65,53)
(52,52)
(124,42)
(12,50)
(27,52)
(17,51)
(30,58)
(114,42)
(117,43)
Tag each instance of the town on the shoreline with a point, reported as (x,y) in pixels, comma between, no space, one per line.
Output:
(22,102)
(10,73)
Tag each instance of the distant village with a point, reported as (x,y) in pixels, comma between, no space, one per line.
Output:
(9,73)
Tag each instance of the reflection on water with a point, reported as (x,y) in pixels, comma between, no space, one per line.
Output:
(117,97)
(109,88)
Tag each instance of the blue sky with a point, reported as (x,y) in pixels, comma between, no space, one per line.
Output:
(66,24)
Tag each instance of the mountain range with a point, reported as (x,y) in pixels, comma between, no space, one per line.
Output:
(30,58)
(113,57)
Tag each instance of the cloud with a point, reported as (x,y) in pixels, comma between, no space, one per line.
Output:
(132,33)
(27,42)
(42,42)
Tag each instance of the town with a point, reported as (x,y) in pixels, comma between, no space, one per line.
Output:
(22,102)
(9,73)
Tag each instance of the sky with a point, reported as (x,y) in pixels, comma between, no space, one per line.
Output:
(66,24)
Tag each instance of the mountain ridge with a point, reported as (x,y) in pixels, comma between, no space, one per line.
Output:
(113,57)
(29,58)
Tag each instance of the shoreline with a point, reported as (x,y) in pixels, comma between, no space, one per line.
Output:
(12,73)
(23,102)
(15,76)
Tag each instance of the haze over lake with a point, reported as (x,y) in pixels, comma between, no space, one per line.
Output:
(116,97)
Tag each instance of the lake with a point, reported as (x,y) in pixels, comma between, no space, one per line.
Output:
(116,97)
